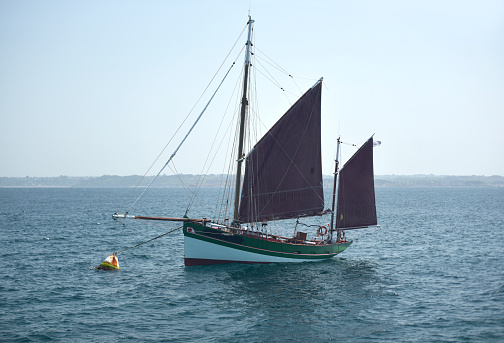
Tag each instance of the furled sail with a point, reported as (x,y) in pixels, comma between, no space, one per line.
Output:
(283,172)
(356,196)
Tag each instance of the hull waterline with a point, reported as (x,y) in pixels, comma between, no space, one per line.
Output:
(206,245)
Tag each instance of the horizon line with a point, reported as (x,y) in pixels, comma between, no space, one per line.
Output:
(183,174)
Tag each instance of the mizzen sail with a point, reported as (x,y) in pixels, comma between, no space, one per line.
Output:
(356,196)
(283,172)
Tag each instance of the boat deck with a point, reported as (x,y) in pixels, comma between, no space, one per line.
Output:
(246,232)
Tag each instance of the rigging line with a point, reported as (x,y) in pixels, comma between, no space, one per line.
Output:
(254,135)
(231,164)
(305,78)
(226,194)
(275,64)
(220,214)
(163,150)
(258,57)
(202,178)
(227,186)
(187,135)
(270,78)
(190,193)
(341,154)
(188,190)
(208,164)
(188,114)
(150,240)
(297,86)
(227,182)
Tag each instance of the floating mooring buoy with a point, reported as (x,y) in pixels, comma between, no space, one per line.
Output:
(111,263)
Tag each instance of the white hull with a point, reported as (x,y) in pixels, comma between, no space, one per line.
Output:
(202,250)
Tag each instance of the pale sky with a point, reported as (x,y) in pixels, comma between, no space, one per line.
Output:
(91,88)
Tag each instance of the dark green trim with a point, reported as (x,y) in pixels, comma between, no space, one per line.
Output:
(263,247)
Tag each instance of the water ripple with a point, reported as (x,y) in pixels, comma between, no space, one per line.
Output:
(433,272)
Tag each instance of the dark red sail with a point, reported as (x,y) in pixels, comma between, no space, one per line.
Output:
(283,172)
(356,196)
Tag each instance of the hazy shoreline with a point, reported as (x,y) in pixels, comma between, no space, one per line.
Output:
(190,180)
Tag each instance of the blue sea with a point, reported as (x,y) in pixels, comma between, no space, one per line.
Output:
(433,272)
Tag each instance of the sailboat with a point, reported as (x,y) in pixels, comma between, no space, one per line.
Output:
(283,181)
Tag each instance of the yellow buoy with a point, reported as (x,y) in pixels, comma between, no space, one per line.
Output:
(111,263)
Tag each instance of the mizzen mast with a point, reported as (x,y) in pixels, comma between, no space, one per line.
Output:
(244,104)
(331,228)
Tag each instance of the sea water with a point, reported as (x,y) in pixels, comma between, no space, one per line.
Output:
(433,272)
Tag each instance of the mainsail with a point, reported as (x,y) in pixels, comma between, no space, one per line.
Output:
(356,196)
(283,172)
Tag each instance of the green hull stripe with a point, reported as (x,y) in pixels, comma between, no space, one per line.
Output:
(269,248)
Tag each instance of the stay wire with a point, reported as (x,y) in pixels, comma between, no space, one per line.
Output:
(273,63)
(278,67)
(211,158)
(150,240)
(183,140)
(178,129)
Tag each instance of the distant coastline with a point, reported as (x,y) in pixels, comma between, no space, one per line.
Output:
(190,180)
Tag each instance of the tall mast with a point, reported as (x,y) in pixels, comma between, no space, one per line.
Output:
(244,103)
(331,229)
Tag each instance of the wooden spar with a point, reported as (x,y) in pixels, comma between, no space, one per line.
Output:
(244,104)
(204,220)
(359,227)
(331,228)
